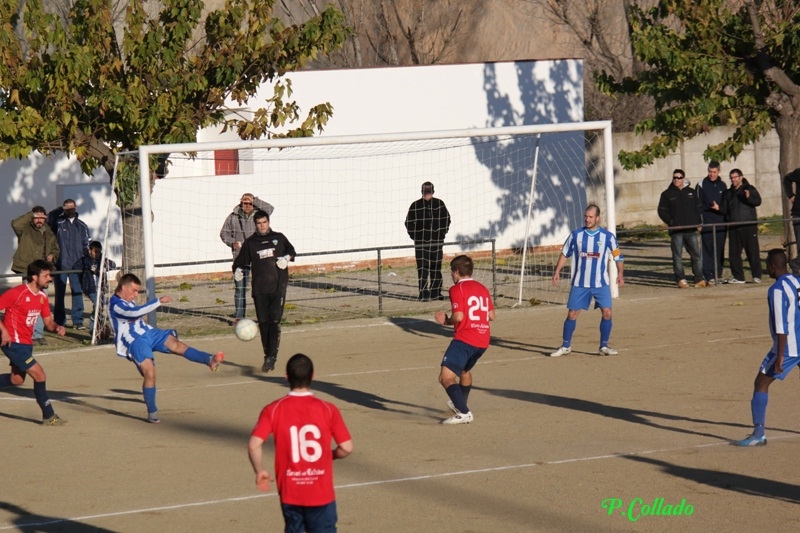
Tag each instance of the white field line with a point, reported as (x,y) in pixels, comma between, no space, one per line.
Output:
(557,462)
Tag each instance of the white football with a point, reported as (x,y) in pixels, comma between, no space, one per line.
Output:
(246,329)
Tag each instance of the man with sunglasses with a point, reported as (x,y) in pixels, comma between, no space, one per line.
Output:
(238,226)
(680,208)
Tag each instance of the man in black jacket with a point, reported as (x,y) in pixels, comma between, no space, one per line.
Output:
(710,191)
(268,254)
(740,202)
(427,224)
(680,205)
(791,185)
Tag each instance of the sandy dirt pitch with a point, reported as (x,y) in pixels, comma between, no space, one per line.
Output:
(551,441)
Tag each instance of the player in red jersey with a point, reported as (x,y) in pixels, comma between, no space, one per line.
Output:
(472,310)
(23,305)
(303,426)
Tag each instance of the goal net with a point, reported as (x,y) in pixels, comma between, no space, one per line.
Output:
(513,195)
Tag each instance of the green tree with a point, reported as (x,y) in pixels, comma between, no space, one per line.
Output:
(716,63)
(75,79)
(72,83)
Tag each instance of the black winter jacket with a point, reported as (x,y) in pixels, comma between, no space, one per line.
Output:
(680,207)
(737,206)
(427,221)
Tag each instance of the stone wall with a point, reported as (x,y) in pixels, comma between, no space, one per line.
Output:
(638,191)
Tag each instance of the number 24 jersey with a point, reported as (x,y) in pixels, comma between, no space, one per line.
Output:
(471,298)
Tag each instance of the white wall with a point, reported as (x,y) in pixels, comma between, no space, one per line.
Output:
(43,181)
(314,206)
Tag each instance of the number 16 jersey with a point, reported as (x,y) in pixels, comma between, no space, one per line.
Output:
(471,298)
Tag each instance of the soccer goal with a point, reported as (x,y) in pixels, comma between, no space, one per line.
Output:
(513,195)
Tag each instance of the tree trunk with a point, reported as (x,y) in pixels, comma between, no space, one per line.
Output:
(788,128)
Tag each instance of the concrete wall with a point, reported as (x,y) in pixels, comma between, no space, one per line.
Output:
(637,192)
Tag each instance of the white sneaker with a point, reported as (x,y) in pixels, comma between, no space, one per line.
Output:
(452,407)
(756,280)
(735,281)
(458,418)
(608,350)
(561,351)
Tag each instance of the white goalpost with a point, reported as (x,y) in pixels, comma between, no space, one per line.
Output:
(513,193)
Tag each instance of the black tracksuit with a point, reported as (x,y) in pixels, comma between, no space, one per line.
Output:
(269,283)
(739,207)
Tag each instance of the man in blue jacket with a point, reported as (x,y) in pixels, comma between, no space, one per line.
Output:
(72,235)
(710,191)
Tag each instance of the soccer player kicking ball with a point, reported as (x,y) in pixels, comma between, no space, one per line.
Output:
(472,310)
(23,305)
(784,326)
(303,426)
(136,340)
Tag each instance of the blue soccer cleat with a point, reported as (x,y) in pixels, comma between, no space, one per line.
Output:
(752,440)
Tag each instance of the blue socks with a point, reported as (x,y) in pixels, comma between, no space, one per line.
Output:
(758,406)
(454,392)
(150,399)
(605,331)
(40,391)
(197,356)
(569,329)
(465,392)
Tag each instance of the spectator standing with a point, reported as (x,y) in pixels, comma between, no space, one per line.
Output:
(710,191)
(35,240)
(72,235)
(590,247)
(23,305)
(89,265)
(427,223)
(680,205)
(238,226)
(268,254)
(741,200)
(791,186)
(303,427)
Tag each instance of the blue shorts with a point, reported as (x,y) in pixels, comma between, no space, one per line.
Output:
(461,357)
(768,365)
(580,297)
(21,355)
(143,347)
(299,518)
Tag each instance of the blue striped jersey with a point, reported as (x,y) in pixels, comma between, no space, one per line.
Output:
(590,252)
(128,323)
(784,313)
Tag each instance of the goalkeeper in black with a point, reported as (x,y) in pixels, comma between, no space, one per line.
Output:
(268,254)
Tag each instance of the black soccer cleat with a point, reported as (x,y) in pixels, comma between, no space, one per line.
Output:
(269,364)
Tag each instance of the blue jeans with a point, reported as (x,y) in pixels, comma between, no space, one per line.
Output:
(240,293)
(59,313)
(691,241)
(93,298)
(38,329)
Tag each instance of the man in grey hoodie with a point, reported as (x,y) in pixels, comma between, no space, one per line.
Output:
(238,226)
